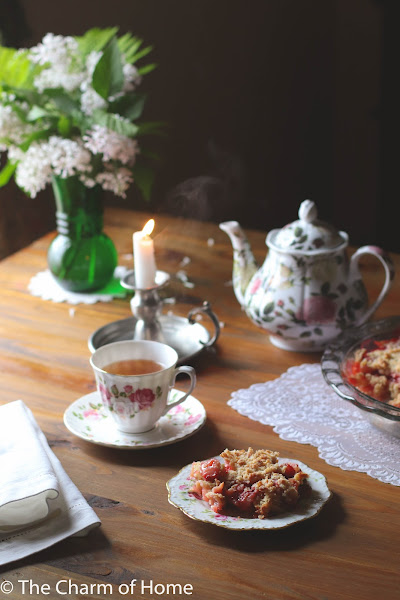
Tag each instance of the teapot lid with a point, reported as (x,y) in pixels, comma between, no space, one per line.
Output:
(308,234)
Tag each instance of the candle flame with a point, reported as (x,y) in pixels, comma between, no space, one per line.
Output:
(148,228)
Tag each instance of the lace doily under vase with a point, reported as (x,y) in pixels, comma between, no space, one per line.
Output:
(45,286)
(301,407)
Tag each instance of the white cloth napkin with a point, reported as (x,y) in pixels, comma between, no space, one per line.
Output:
(39,504)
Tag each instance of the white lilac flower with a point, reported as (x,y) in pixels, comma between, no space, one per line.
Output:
(68,157)
(33,171)
(131,77)
(90,99)
(58,156)
(88,181)
(112,145)
(6,97)
(15,154)
(131,80)
(60,55)
(54,49)
(12,129)
(91,61)
(115,180)
(63,66)
(55,78)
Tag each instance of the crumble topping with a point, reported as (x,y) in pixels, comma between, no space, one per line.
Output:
(250,481)
(376,370)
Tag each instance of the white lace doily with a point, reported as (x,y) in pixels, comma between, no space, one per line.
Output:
(45,286)
(301,407)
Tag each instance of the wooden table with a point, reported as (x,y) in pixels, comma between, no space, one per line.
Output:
(350,550)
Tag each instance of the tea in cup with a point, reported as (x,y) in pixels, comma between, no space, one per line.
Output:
(134,380)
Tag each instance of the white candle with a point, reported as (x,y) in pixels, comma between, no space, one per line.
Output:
(144,261)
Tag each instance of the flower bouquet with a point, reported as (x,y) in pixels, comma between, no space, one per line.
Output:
(69,116)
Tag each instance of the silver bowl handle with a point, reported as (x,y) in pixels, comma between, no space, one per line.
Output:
(206,310)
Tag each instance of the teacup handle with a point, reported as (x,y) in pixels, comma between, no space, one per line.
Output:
(192,374)
(388,266)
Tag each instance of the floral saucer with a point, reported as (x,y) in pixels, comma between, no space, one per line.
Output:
(179,496)
(87,419)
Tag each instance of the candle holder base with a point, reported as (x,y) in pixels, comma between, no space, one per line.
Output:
(146,306)
(186,335)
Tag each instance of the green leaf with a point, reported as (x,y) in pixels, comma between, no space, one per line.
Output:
(151,128)
(32,97)
(37,135)
(64,126)
(114,122)
(147,69)
(95,39)
(143,52)
(108,77)
(16,70)
(63,101)
(36,113)
(129,45)
(7,172)
(144,178)
(148,154)
(129,106)
(81,121)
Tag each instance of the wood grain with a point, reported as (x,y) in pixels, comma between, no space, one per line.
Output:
(348,551)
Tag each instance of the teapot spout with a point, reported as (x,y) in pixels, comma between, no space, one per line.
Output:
(244,264)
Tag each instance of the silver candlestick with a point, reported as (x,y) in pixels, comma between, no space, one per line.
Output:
(185,334)
(146,306)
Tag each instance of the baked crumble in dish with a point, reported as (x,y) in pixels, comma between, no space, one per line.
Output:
(374,368)
(252,483)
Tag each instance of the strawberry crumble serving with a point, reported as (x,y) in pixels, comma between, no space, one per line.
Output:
(375,370)
(251,481)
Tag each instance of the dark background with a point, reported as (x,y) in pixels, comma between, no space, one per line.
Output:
(268,103)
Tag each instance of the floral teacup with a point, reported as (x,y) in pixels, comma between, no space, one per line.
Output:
(137,401)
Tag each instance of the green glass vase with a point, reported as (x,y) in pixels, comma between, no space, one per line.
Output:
(81,257)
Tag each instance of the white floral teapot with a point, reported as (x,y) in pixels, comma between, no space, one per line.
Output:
(307,290)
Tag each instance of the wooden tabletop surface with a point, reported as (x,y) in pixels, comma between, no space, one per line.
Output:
(350,550)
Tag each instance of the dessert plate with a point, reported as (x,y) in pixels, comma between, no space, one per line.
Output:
(179,496)
(89,420)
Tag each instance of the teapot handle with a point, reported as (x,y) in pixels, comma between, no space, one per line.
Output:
(388,266)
